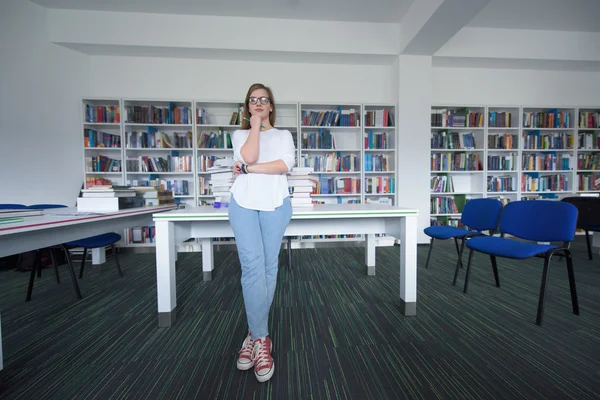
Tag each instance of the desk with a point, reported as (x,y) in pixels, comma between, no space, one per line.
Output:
(46,230)
(205,223)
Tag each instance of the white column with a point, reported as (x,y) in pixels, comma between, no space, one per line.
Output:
(414,136)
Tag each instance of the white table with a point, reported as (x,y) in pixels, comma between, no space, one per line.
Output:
(46,230)
(205,223)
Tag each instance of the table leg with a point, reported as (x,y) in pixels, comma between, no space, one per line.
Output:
(408,264)
(98,256)
(207,258)
(166,287)
(370,253)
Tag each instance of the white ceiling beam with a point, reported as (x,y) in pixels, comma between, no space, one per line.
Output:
(76,27)
(429,24)
(522,44)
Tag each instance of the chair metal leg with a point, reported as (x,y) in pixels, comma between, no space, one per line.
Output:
(459,262)
(82,262)
(572,286)
(72,272)
(495,269)
(37,263)
(429,253)
(289,251)
(114,249)
(589,245)
(545,274)
(39,270)
(468,271)
(54,264)
(458,251)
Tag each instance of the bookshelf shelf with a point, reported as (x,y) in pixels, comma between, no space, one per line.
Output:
(526,153)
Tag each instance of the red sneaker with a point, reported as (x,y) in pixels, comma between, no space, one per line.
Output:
(264,366)
(245,360)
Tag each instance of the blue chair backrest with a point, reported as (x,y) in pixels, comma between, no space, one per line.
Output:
(539,220)
(45,206)
(6,206)
(482,214)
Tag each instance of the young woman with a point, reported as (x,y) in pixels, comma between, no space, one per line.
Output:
(259,212)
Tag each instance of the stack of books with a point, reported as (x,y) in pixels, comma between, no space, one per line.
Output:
(106,198)
(154,196)
(221,179)
(301,186)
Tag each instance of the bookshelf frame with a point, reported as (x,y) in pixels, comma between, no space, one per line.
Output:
(218,116)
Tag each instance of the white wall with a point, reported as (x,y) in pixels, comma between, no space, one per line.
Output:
(40,90)
(515,87)
(201,79)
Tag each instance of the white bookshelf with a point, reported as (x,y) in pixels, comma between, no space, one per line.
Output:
(101,120)
(159,146)
(143,138)
(522,159)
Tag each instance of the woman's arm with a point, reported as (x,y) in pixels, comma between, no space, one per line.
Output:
(250,149)
(276,167)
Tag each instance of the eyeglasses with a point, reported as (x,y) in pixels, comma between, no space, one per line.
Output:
(255,100)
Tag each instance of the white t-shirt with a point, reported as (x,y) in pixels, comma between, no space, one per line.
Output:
(263,192)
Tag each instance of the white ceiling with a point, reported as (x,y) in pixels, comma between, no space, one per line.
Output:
(559,15)
(323,10)
(552,15)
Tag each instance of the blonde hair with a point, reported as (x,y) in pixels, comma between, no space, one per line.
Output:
(246,113)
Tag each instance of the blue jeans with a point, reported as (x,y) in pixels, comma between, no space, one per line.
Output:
(258,236)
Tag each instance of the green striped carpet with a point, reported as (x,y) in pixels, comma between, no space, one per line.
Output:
(337,333)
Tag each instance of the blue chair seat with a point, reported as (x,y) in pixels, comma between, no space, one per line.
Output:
(508,248)
(444,232)
(96,241)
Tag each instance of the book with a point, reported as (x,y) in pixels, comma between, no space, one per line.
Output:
(10,220)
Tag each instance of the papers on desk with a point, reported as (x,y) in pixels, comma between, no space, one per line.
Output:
(74,214)
(19,213)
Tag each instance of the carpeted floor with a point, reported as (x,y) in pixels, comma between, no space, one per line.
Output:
(337,333)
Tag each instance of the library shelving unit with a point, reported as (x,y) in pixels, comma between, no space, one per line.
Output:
(503,153)
(530,152)
(172,142)
(457,160)
(102,141)
(588,150)
(158,151)
(548,152)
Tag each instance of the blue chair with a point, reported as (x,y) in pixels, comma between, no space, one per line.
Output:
(478,215)
(532,223)
(588,218)
(8,206)
(93,242)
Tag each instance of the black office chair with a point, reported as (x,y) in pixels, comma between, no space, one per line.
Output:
(589,216)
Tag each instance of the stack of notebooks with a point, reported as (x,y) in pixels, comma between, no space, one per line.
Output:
(106,198)
(301,186)
(221,179)
(12,216)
